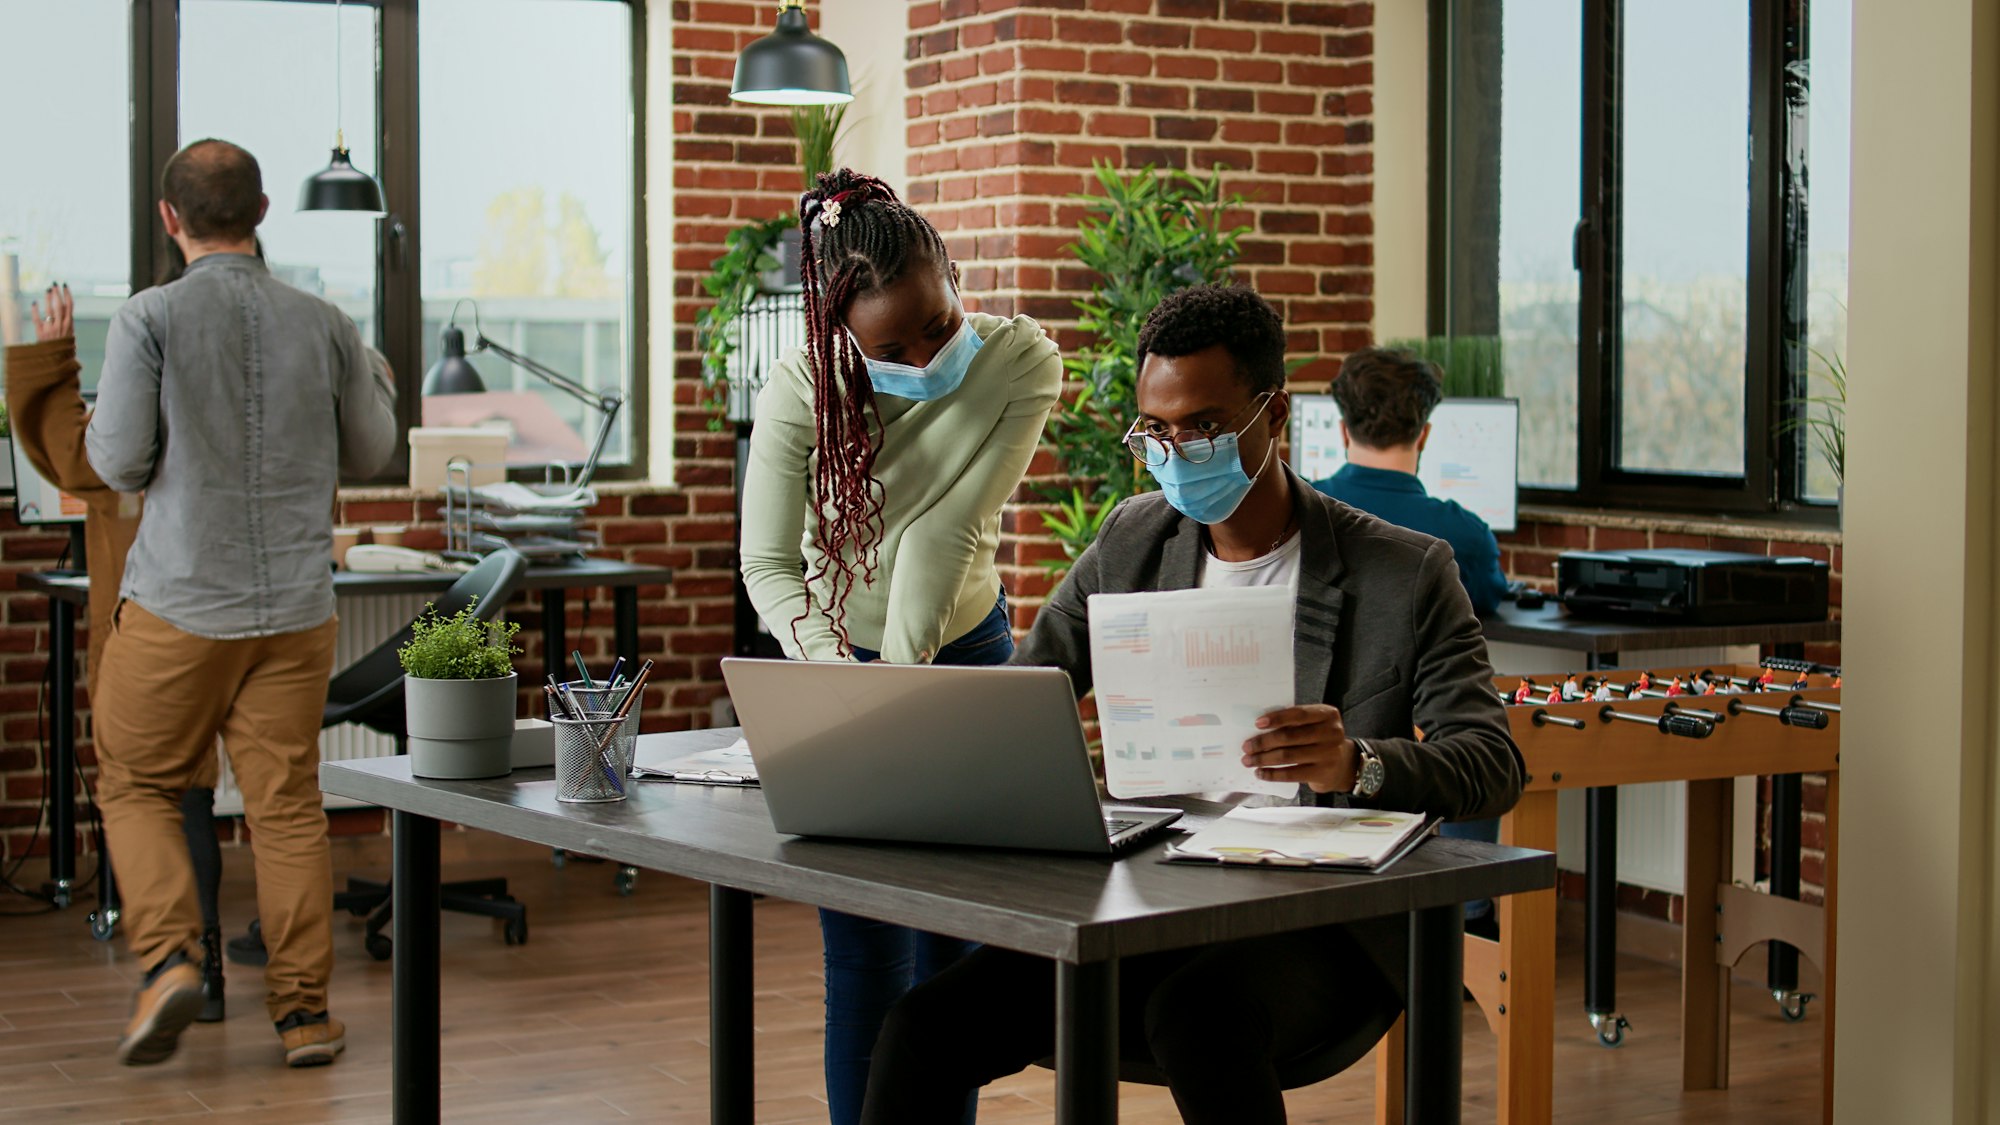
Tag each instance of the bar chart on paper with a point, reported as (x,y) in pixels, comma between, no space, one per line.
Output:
(1181,678)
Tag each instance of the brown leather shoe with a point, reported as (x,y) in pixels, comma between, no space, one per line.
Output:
(161,1010)
(311,1040)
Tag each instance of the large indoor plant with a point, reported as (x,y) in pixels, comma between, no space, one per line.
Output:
(1146,234)
(759,257)
(458,694)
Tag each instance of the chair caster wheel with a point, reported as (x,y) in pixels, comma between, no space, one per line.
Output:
(379,947)
(515,932)
(104,923)
(1792,1005)
(1610,1027)
(626,880)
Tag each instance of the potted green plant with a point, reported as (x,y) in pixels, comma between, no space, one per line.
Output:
(1147,233)
(1473,366)
(458,694)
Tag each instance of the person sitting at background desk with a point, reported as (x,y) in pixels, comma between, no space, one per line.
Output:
(48,415)
(1386,397)
(1385,643)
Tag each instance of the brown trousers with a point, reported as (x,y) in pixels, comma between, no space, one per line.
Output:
(164,695)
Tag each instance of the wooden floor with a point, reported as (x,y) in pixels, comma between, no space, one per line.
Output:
(603,1015)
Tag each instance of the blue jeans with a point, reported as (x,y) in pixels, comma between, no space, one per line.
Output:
(1487,830)
(870,964)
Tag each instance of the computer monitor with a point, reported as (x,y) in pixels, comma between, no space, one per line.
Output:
(1472,455)
(36,501)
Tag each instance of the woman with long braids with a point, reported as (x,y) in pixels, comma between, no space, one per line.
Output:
(882,455)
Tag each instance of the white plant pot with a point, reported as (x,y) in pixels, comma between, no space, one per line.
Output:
(460,728)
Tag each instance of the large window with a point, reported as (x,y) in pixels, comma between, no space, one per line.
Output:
(1620,194)
(528,204)
(505,135)
(65,203)
(228,47)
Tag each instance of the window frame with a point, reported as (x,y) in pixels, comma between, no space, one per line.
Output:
(1776,354)
(155,55)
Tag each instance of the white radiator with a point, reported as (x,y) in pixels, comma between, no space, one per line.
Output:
(364,623)
(1652,830)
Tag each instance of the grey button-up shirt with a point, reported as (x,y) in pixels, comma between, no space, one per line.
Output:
(235,402)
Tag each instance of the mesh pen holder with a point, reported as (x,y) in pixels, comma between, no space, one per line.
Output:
(603,700)
(586,775)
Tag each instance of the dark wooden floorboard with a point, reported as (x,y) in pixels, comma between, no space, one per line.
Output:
(603,1016)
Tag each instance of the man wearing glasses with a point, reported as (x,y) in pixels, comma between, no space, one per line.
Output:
(1385,643)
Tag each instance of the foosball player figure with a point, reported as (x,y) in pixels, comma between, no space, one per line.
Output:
(1522,693)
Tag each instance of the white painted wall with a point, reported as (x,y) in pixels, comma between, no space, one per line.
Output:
(1918,969)
(875,136)
(1402,168)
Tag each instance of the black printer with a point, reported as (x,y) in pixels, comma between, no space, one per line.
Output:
(1692,587)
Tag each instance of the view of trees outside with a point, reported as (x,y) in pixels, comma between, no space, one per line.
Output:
(527,179)
(1830,48)
(1541,113)
(527,197)
(1686,219)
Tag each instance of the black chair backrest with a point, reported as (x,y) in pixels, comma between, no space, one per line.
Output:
(370,690)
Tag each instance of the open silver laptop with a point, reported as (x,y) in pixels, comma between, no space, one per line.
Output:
(928,754)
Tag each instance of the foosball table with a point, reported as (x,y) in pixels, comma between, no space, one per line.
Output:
(1705,726)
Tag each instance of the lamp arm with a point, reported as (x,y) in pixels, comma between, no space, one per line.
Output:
(606,403)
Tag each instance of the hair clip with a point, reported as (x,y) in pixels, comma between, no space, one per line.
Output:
(829,215)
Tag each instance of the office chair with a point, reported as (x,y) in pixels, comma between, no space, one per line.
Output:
(369,692)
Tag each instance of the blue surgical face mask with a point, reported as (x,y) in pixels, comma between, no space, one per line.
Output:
(934,380)
(1211,491)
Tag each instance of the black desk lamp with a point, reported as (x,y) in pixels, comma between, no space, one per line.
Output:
(453,374)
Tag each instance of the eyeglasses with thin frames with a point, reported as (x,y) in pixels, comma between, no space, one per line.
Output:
(1195,446)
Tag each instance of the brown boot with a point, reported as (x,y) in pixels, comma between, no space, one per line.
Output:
(311,1039)
(163,1008)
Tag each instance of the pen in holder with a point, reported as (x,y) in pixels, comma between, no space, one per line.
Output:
(594,756)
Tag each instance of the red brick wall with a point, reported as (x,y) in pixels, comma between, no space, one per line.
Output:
(685,628)
(1011,101)
(1529,555)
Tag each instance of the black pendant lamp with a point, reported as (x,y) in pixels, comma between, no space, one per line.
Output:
(341,186)
(791,66)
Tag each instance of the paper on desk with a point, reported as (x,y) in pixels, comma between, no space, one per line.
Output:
(1182,677)
(1363,838)
(729,764)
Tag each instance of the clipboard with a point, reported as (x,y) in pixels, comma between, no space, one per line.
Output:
(727,765)
(1238,841)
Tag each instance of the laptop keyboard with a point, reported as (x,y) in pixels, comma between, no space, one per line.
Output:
(1114,825)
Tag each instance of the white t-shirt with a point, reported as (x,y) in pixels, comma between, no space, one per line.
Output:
(1273,568)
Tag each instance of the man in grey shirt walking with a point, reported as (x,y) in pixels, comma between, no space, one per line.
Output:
(235,402)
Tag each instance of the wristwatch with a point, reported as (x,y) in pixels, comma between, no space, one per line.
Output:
(1367,771)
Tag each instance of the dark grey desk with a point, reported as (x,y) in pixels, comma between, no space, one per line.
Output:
(1084,913)
(68,592)
(1601,642)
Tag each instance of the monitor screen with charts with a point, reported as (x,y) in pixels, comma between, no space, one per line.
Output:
(1470,458)
(36,501)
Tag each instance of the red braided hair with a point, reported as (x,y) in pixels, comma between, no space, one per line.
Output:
(858,239)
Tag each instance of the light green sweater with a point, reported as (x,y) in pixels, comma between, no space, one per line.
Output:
(946,468)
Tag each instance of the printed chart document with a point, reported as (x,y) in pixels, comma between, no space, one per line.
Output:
(1303,836)
(1182,677)
(725,765)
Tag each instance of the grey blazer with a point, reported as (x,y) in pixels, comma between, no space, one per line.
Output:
(1384,632)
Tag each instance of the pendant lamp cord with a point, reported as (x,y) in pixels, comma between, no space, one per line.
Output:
(339,132)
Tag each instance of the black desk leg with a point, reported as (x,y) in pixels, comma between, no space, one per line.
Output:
(625,624)
(555,650)
(1432,1069)
(732,1063)
(1787,812)
(415,1018)
(1087,1043)
(62,750)
(1600,903)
